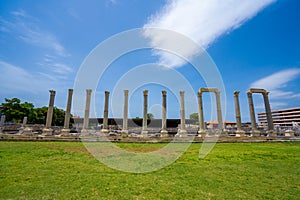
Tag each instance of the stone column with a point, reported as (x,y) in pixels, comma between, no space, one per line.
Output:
(164,132)
(201,131)
(87,111)
(182,131)
(105,114)
(252,113)
(47,130)
(219,111)
(239,130)
(66,130)
(125,113)
(2,121)
(268,112)
(145,111)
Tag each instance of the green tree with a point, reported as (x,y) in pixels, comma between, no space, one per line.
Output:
(15,111)
(150,116)
(57,119)
(194,116)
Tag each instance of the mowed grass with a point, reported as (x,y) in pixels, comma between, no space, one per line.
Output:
(65,170)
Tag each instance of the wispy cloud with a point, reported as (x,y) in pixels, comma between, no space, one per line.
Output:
(203,21)
(15,80)
(26,28)
(277,82)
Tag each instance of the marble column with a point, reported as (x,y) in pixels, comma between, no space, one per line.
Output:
(87,111)
(268,111)
(239,130)
(66,129)
(164,132)
(105,114)
(2,121)
(201,131)
(125,114)
(252,113)
(182,131)
(219,111)
(145,111)
(47,130)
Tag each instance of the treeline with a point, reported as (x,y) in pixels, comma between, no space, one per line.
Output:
(15,110)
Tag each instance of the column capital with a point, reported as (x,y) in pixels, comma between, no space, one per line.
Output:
(88,91)
(70,90)
(125,92)
(164,92)
(106,92)
(145,92)
(52,92)
(181,92)
(199,93)
(249,94)
(236,93)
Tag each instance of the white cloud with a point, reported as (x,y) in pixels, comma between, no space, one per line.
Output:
(275,83)
(203,21)
(15,79)
(26,28)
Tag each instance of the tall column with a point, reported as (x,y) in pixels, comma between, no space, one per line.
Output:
(105,114)
(87,111)
(238,114)
(2,121)
(182,131)
(201,131)
(145,111)
(268,111)
(66,129)
(164,132)
(252,113)
(125,113)
(47,129)
(219,111)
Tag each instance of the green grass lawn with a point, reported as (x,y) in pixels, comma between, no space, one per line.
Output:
(65,170)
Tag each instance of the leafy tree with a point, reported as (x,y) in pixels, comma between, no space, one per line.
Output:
(194,116)
(15,111)
(150,116)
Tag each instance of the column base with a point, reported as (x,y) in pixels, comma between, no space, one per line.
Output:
(105,131)
(289,133)
(65,131)
(181,133)
(124,132)
(144,133)
(201,133)
(164,133)
(239,133)
(255,132)
(272,133)
(27,131)
(47,131)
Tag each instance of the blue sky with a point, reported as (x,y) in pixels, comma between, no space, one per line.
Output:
(253,44)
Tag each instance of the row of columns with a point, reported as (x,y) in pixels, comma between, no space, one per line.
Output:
(182,130)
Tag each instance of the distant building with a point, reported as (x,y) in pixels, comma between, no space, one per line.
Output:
(283,117)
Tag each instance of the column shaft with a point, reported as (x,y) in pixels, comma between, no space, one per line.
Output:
(268,111)
(200,113)
(145,111)
(252,112)
(237,111)
(105,114)
(125,112)
(87,109)
(182,112)
(68,110)
(50,109)
(219,111)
